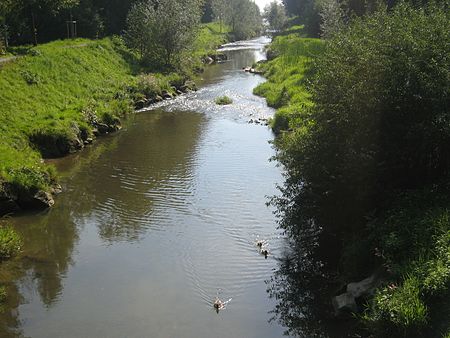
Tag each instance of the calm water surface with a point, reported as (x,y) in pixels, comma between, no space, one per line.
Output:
(157,220)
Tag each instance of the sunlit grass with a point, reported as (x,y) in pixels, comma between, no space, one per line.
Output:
(287,74)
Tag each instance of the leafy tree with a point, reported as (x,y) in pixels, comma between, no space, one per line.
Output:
(221,10)
(138,33)
(244,18)
(275,15)
(161,31)
(332,17)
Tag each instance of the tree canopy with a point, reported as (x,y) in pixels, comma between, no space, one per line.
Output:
(275,15)
(160,31)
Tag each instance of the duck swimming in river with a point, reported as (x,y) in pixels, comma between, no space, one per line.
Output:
(265,252)
(218,304)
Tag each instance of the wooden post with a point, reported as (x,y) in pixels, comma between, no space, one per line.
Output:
(34,29)
(71,26)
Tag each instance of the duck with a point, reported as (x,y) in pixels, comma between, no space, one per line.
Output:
(265,252)
(218,304)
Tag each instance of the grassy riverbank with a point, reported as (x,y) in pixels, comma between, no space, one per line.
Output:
(287,75)
(57,97)
(366,158)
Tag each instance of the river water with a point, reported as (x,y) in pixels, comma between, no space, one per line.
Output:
(156,221)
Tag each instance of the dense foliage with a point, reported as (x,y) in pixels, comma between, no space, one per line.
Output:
(31,21)
(367,157)
(317,14)
(380,118)
(38,21)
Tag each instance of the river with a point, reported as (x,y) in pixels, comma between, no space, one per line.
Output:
(156,221)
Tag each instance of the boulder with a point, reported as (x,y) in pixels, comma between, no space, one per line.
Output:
(208,60)
(364,287)
(42,200)
(140,104)
(56,189)
(35,201)
(75,145)
(166,95)
(102,128)
(344,303)
(190,85)
(219,57)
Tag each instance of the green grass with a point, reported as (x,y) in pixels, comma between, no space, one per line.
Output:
(287,75)
(223,100)
(412,238)
(10,242)
(48,92)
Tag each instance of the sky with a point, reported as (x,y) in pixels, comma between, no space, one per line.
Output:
(263,3)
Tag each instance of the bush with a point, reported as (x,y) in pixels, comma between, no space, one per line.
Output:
(223,100)
(150,85)
(10,242)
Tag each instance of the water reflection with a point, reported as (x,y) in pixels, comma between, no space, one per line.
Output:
(41,267)
(298,287)
(307,274)
(129,189)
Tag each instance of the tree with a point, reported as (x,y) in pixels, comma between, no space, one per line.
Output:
(137,35)
(161,31)
(332,17)
(221,11)
(275,15)
(244,18)
(4,10)
(307,12)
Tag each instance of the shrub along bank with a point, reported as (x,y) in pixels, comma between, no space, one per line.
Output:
(367,157)
(57,97)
